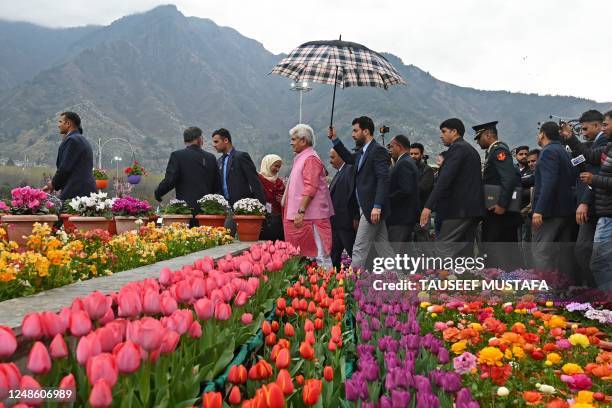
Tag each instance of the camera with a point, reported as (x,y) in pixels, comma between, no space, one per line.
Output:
(384,129)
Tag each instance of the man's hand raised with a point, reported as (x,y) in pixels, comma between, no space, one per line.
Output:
(331,133)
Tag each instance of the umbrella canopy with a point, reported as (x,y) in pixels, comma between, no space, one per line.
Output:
(340,63)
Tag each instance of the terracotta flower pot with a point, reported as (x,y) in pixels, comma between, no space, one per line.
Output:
(68,226)
(210,220)
(169,219)
(248,226)
(90,223)
(20,226)
(101,184)
(125,224)
(134,178)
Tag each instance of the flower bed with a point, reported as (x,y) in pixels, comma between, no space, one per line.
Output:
(53,260)
(155,341)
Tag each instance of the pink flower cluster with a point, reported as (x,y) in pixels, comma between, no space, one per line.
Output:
(130,206)
(4,207)
(28,200)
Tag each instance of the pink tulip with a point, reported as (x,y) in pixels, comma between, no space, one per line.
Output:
(52,324)
(9,374)
(58,347)
(217,296)
(182,320)
(80,324)
(89,346)
(204,308)
(29,383)
(183,292)
(247,318)
(168,304)
(108,317)
(165,277)
(31,326)
(39,361)
(128,357)
(129,302)
(151,303)
(198,288)
(241,299)
(228,292)
(8,342)
(77,304)
(109,336)
(101,395)
(65,315)
(246,268)
(195,330)
(169,342)
(152,334)
(103,366)
(68,383)
(223,311)
(96,305)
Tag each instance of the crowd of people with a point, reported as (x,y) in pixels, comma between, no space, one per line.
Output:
(382,198)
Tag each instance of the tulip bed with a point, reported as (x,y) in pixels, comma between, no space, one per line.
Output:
(56,259)
(154,342)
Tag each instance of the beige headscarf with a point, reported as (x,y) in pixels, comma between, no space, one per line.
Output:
(266,164)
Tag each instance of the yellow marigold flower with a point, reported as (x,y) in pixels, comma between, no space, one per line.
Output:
(578,339)
(425,305)
(518,352)
(557,321)
(434,315)
(554,358)
(490,356)
(459,347)
(584,397)
(571,368)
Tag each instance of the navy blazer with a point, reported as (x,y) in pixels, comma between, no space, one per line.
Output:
(193,173)
(458,192)
(555,183)
(74,175)
(242,179)
(404,192)
(372,179)
(342,190)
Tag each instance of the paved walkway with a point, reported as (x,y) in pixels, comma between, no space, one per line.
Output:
(12,311)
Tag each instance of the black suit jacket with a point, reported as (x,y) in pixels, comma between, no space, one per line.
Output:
(404,192)
(426,182)
(555,183)
(342,190)
(584,194)
(372,179)
(242,179)
(458,192)
(193,173)
(74,175)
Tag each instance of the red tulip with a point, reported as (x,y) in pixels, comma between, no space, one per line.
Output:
(266,328)
(306,351)
(223,311)
(101,395)
(212,400)
(39,361)
(195,330)
(80,324)
(271,339)
(96,305)
(128,357)
(52,324)
(285,382)
(103,366)
(151,303)
(310,338)
(234,397)
(237,374)
(31,326)
(129,302)
(29,383)
(8,342)
(273,396)
(281,303)
(312,391)
(318,323)
(309,325)
(58,347)
(169,342)
(283,359)
(204,308)
(151,334)
(289,330)
(328,373)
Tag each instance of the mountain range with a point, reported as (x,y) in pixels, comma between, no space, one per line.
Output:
(145,77)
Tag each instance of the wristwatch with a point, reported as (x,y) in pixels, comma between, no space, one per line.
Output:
(301,211)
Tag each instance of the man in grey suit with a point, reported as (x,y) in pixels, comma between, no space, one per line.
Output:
(371,164)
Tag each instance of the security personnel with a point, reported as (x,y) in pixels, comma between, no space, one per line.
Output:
(499,225)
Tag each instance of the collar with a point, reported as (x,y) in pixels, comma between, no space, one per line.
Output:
(74,132)
(400,157)
(365,146)
(599,135)
(493,145)
(341,167)
(228,154)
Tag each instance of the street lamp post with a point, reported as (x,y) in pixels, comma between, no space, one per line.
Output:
(117,160)
(302,88)
(101,146)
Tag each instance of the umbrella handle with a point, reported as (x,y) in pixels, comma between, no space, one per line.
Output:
(331,122)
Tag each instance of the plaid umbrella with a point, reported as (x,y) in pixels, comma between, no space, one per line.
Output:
(340,63)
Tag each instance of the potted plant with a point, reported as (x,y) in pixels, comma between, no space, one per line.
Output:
(213,209)
(177,211)
(28,206)
(4,209)
(249,215)
(101,178)
(129,212)
(91,212)
(134,173)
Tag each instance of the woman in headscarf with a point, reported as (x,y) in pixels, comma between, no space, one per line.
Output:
(274,188)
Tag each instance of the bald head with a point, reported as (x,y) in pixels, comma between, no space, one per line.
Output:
(335,160)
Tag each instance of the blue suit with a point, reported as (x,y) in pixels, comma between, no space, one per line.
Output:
(555,181)
(74,175)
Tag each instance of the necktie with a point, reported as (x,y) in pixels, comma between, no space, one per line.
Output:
(360,159)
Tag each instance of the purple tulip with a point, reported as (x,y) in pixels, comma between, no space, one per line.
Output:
(464,399)
(400,399)
(443,356)
(427,400)
(385,402)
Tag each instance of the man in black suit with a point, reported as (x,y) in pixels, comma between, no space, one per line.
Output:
(458,196)
(74,175)
(342,190)
(192,172)
(426,183)
(403,193)
(371,164)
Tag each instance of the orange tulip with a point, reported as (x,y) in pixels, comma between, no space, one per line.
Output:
(283,359)
(308,325)
(306,351)
(234,397)
(285,382)
(212,400)
(336,333)
(266,328)
(284,343)
(237,374)
(310,338)
(328,373)
(281,304)
(275,326)
(318,324)
(312,308)
(273,395)
(299,379)
(264,370)
(289,330)
(290,311)
(312,391)
(271,339)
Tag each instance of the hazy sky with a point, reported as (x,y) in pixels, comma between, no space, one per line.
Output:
(542,46)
